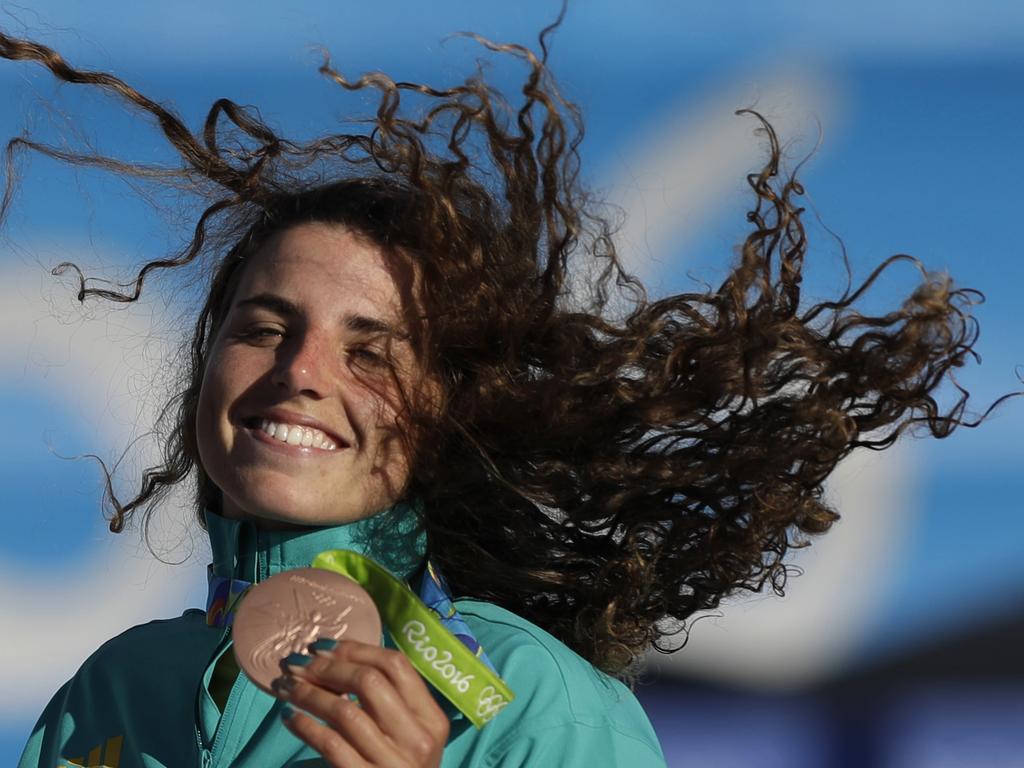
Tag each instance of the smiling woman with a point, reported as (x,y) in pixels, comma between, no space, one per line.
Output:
(419,345)
(295,423)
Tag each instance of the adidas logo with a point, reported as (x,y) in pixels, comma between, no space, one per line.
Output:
(103,756)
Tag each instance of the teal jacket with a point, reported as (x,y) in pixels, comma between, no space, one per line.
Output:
(142,700)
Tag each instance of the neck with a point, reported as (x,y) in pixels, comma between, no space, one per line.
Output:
(243,550)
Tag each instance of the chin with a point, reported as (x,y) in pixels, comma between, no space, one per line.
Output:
(291,510)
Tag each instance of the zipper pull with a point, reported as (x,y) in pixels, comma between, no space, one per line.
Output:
(205,757)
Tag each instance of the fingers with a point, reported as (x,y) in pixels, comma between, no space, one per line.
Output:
(328,742)
(348,731)
(396,721)
(385,682)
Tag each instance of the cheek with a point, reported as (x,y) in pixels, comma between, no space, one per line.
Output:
(206,423)
(392,429)
(214,399)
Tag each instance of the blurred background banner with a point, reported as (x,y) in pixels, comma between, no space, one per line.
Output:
(901,643)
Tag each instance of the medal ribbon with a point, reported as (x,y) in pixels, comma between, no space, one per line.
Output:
(463,678)
(222,598)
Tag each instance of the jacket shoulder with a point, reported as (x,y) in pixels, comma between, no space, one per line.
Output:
(111,698)
(147,650)
(560,697)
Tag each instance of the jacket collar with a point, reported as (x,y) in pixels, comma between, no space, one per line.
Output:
(394,538)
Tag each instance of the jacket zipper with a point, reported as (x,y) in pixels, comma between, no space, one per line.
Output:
(208,755)
(204,754)
(262,568)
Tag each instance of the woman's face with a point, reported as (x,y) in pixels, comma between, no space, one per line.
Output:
(299,407)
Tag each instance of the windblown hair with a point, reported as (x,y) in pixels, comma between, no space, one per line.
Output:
(604,464)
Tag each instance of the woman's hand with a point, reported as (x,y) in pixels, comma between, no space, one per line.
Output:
(396,721)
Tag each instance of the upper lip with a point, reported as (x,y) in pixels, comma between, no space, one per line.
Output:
(284,416)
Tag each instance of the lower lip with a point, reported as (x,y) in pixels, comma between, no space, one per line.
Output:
(287,449)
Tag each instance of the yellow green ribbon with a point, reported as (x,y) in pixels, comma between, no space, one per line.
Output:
(454,670)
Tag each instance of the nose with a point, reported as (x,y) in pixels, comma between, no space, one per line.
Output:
(301,368)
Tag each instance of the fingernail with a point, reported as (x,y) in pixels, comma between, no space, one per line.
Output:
(298,660)
(287,712)
(283,686)
(323,644)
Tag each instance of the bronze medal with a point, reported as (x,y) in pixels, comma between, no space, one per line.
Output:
(288,611)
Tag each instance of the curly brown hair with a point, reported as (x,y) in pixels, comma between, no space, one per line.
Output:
(604,464)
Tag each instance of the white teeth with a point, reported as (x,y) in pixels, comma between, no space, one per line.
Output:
(293,434)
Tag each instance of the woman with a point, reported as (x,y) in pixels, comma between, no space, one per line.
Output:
(419,344)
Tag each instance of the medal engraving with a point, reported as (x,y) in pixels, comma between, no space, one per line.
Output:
(288,611)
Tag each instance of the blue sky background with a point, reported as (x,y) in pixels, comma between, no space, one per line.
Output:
(921,155)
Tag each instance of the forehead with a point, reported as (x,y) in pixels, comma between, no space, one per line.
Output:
(327,267)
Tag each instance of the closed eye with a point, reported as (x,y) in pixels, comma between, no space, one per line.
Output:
(262,333)
(367,356)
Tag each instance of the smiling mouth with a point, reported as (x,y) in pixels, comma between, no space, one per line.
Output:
(293,434)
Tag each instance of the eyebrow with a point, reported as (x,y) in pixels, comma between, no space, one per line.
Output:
(357,323)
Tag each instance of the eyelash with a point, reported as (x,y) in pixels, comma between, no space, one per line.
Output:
(261,333)
(366,354)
